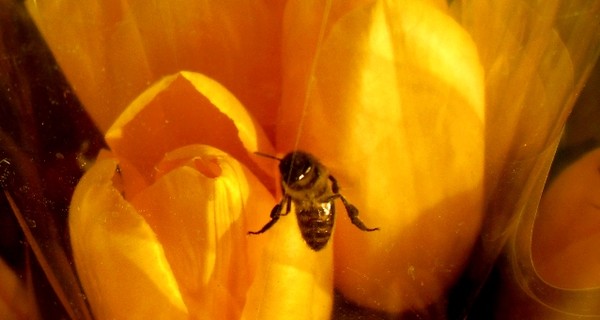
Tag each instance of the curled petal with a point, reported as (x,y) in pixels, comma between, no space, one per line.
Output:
(197,209)
(396,110)
(180,243)
(117,255)
(182,109)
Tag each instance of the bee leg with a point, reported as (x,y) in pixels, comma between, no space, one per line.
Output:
(288,207)
(275,214)
(353,215)
(350,209)
(334,185)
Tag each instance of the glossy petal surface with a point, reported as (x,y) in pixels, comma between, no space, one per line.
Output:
(395,109)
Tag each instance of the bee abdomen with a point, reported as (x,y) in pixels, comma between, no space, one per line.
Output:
(316,227)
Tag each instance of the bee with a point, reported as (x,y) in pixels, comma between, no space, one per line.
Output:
(309,185)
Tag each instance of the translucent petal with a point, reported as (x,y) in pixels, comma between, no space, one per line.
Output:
(119,260)
(181,243)
(182,109)
(536,56)
(306,25)
(292,279)
(395,108)
(111,50)
(198,209)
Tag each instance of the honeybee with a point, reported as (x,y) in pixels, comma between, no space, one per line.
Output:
(308,184)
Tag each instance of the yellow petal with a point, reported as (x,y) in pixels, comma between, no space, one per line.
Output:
(536,57)
(196,209)
(186,108)
(117,255)
(111,50)
(292,279)
(396,110)
(306,25)
(181,243)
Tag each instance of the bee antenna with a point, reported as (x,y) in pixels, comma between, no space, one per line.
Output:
(266,155)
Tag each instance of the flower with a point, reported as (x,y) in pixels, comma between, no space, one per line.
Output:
(169,217)
(399,100)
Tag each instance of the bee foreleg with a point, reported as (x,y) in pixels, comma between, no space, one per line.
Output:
(334,185)
(353,215)
(288,206)
(275,214)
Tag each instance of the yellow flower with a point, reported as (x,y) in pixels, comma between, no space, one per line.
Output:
(405,105)
(166,215)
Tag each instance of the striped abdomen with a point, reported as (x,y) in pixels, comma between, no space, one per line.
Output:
(316,223)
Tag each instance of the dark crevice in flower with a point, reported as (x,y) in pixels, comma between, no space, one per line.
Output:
(44,135)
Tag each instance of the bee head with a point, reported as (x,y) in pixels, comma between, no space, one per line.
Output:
(299,170)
